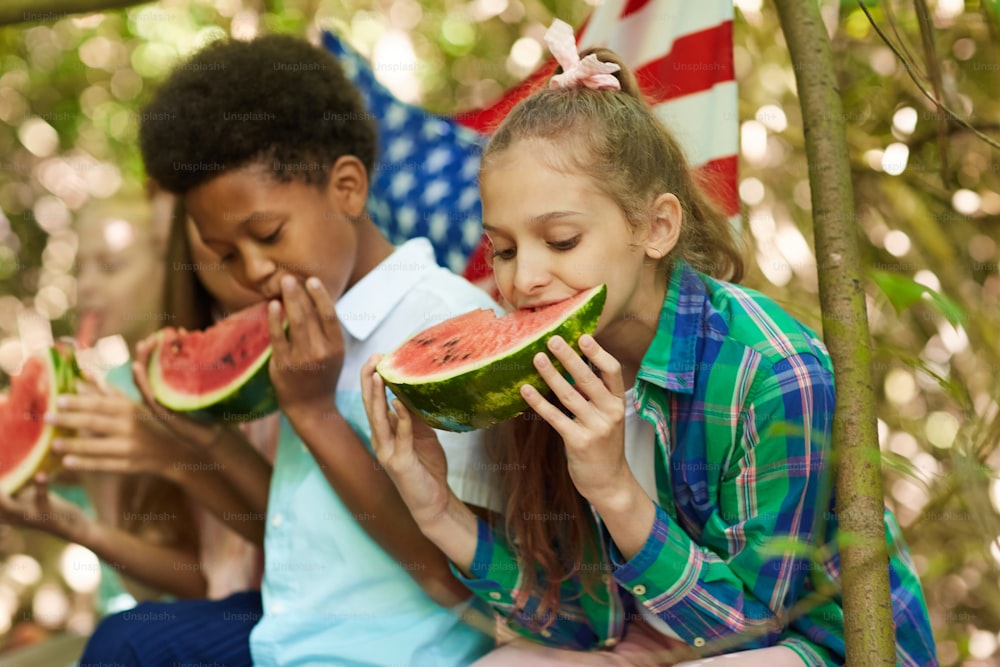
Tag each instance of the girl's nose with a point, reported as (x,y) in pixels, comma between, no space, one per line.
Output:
(530,273)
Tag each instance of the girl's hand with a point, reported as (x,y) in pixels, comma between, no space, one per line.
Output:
(408,449)
(305,363)
(113,434)
(594,436)
(34,507)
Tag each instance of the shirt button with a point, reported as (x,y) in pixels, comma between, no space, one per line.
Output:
(546,633)
(639,589)
(277,520)
(495,595)
(699,642)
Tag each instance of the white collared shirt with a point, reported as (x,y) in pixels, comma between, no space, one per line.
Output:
(331,594)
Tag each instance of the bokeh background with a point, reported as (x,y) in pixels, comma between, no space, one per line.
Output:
(928,212)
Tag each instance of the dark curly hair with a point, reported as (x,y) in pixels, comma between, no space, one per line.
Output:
(277,101)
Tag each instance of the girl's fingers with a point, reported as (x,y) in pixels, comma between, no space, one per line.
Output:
(550,413)
(110,405)
(97,464)
(610,368)
(90,446)
(88,421)
(142,383)
(324,308)
(568,395)
(404,429)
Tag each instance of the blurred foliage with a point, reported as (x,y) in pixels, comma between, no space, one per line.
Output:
(71,88)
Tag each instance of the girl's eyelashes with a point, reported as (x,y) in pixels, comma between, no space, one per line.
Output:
(560,246)
(567,244)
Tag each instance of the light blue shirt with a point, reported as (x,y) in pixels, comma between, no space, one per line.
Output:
(331,595)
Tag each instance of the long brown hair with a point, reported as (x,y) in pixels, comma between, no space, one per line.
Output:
(615,138)
(152,507)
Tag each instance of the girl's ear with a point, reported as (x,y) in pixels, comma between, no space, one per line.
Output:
(664,226)
(348,186)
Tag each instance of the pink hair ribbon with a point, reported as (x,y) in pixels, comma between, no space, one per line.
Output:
(589,72)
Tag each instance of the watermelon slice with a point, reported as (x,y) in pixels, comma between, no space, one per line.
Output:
(220,373)
(27,438)
(465,373)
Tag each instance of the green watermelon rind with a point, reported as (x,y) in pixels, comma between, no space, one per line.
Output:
(62,379)
(249,397)
(490,392)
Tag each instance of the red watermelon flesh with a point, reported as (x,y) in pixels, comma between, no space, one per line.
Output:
(26,436)
(221,371)
(454,344)
(466,372)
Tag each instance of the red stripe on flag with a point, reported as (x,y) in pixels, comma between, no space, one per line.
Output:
(696,62)
(479,265)
(718,178)
(631,7)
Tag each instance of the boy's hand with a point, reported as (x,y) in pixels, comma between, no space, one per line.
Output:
(305,363)
(408,449)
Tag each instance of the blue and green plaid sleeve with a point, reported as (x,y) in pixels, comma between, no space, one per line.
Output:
(751,560)
(496,579)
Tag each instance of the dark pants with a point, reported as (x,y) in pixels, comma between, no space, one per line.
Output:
(176,634)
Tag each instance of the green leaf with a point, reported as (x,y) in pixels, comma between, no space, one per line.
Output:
(903,292)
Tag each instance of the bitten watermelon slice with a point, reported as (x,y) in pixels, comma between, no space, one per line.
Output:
(465,373)
(26,437)
(220,373)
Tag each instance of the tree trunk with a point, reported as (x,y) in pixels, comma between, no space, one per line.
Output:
(868,625)
(33,11)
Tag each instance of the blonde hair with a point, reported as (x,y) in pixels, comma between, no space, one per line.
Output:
(631,156)
(615,138)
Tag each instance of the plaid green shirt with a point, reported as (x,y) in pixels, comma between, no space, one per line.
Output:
(741,396)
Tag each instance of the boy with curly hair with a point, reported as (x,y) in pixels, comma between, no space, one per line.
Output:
(271,150)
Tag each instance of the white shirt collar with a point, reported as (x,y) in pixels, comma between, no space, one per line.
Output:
(363,307)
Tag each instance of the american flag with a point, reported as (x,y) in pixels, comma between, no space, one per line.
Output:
(425,183)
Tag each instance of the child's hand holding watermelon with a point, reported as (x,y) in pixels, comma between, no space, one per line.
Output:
(413,457)
(305,362)
(114,434)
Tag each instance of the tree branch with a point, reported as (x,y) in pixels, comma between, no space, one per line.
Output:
(33,11)
(934,74)
(948,113)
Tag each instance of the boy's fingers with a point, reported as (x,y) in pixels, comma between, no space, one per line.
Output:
(324,308)
(279,343)
(302,325)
